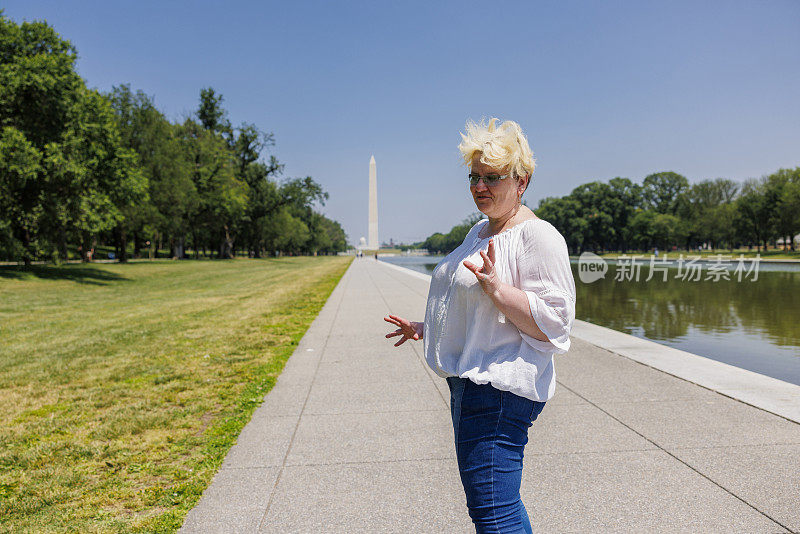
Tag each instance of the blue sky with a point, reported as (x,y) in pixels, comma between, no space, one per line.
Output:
(602,89)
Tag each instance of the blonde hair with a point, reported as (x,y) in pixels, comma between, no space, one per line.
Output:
(501,147)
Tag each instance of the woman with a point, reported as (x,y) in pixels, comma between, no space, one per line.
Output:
(499,307)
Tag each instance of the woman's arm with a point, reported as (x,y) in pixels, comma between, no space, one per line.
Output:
(514,304)
(542,313)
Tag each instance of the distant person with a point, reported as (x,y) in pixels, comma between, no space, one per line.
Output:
(499,307)
(376,256)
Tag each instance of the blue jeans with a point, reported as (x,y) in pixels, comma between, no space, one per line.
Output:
(490,427)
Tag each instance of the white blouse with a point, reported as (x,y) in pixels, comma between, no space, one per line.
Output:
(466,335)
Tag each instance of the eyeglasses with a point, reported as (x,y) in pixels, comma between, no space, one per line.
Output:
(489,179)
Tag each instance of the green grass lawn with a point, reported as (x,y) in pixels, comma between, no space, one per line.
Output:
(123,386)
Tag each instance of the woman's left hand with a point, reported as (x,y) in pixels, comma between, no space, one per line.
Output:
(487,275)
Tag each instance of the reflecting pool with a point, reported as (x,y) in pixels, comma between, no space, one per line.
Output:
(752,324)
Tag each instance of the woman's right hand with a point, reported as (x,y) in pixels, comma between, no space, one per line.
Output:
(408,329)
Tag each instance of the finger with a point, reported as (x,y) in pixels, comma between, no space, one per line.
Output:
(491,250)
(393,321)
(402,321)
(475,271)
(392,334)
(472,267)
(400,342)
(416,337)
(487,263)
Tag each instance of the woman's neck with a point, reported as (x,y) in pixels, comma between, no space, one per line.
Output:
(518,214)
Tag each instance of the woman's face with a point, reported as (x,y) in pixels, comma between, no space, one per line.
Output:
(497,200)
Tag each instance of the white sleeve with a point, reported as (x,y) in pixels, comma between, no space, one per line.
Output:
(546,278)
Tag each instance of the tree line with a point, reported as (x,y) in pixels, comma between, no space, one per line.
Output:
(665,211)
(81,168)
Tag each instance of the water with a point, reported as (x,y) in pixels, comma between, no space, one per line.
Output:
(750,324)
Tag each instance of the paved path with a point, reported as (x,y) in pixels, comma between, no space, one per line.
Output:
(356,436)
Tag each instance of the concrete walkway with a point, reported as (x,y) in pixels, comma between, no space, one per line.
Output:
(356,436)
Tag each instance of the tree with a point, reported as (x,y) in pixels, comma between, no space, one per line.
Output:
(288,233)
(754,213)
(77,166)
(38,81)
(172,194)
(667,229)
(221,197)
(38,89)
(101,177)
(80,176)
(337,238)
(664,191)
(264,196)
(20,201)
(642,228)
(627,197)
(435,243)
(598,204)
(563,213)
(707,212)
(785,187)
(297,196)
(212,115)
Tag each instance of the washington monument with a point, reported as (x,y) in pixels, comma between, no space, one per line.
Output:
(373,242)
